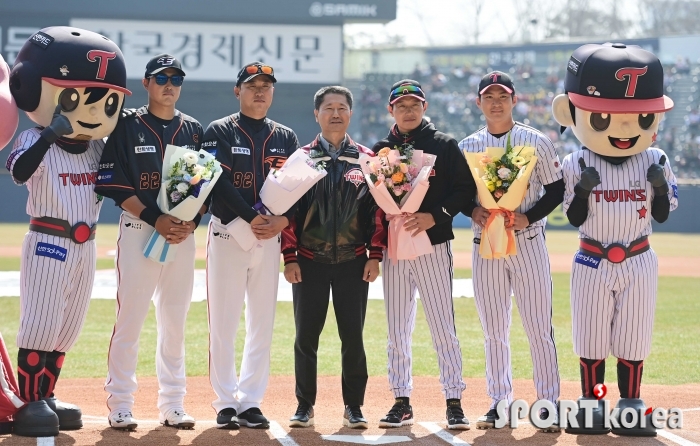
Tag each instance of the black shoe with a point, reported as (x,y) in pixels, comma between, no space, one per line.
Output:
(400,415)
(253,418)
(36,419)
(544,414)
(6,427)
(69,415)
(487,421)
(303,417)
(227,419)
(635,431)
(352,418)
(455,417)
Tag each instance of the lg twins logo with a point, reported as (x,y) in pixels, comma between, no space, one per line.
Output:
(355,176)
(103,57)
(632,75)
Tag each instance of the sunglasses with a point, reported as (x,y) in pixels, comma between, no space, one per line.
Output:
(259,69)
(176,79)
(406,89)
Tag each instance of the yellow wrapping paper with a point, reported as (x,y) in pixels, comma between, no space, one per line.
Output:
(497,241)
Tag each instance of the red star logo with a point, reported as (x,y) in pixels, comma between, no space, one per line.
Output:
(642,212)
(653,138)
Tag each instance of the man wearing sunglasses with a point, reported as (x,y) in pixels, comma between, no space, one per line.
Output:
(130,173)
(248,145)
(430,274)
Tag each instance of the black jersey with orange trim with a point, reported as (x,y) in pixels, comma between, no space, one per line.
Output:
(132,161)
(246,157)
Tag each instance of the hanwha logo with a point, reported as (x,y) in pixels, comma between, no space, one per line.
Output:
(316,9)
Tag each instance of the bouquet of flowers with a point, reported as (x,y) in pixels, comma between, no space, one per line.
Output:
(501,177)
(398,181)
(282,188)
(188,178)
(397,169)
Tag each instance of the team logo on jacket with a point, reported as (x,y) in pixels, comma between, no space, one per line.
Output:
(145,149)
(142,138)
(275,162)
(355,177)
(51,251)
(240,150)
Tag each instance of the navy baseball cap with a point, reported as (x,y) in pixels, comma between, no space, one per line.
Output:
(496,78)
(616,78)
(406,87)
(162,62)
(249,71)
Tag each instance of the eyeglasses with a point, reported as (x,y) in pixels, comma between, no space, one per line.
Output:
(176,79)
(259,69)
(406,89)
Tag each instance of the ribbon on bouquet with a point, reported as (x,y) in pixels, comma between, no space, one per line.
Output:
(402,245)
(498,236)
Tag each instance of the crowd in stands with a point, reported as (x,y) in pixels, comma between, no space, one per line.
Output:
(452,107)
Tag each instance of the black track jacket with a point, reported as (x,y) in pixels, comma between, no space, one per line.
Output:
(451,184)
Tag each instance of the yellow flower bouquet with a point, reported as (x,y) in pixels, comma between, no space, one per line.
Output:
(501,176)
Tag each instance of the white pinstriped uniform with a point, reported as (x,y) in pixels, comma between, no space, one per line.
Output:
(56,274)
(431,276)
(527,275)
(613,305)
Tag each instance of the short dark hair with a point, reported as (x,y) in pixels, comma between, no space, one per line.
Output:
(332,89)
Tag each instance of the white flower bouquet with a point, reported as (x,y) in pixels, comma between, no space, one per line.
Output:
(282,189)
(188,179)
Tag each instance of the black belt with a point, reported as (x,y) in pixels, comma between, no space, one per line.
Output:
(80,232)
(616,252)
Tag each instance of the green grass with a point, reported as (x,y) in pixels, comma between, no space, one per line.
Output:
(671,360)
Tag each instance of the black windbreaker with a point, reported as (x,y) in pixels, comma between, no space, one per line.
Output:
(246,158)
(337,220)
(132,161)
(451,184)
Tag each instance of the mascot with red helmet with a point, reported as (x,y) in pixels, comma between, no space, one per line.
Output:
(71,83)
(615,185)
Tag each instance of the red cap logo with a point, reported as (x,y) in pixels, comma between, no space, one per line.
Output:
(632,75)
(104,58)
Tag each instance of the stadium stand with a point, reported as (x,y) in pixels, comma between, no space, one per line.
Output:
(451,95)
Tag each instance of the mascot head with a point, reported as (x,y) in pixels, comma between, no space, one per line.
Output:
(81,70)
(614,98)
(8,109)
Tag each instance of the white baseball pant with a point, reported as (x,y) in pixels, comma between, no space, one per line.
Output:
(139,280)
(612,307)
(431,276)
(527,275)
(235,277)
(55,291)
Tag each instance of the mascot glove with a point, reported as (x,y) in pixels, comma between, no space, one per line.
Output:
(655,173)
(60,126)
(590,177)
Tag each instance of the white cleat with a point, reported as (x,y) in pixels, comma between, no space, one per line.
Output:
(122,420)
(177,418)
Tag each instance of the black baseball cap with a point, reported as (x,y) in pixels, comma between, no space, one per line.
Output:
(616,78)
(406,87)
(249,71)
(162,62)
(496,78)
